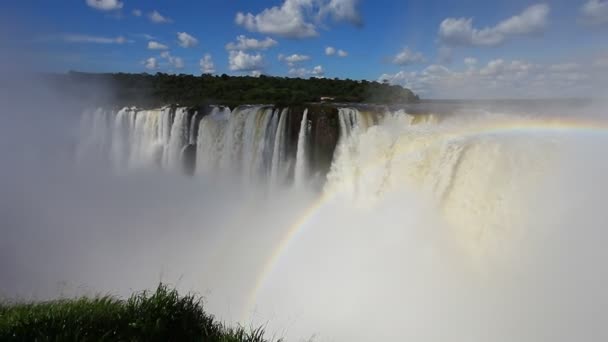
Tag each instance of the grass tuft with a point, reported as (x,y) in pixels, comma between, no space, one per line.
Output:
(162,315)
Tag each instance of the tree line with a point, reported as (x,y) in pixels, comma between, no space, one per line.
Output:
(161,89)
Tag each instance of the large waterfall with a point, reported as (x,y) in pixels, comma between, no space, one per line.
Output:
(479,178)
(356,223)
(251,141)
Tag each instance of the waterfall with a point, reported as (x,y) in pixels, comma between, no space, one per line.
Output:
(253,143)
(277,169)
(210,140)
(177,139)
(480,182)
(301,170)
(145,145)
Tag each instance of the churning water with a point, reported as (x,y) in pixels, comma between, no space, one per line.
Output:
(475,226)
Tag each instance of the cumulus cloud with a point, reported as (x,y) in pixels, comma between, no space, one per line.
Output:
(460,31)
(185,40)
(595,12)
(303,72)
(318,71)
(298,18)
(291,60)
(83,38)
(151,63)
(408,57)
(105,5)
(243,43)
(207,65)
(158,18)
(502,78)
(332,51)
(342,10)
(177,62)
(174,62)
(242,61)
(286,21)
(153,45)
(137,12)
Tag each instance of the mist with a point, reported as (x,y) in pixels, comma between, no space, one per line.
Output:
(516,254)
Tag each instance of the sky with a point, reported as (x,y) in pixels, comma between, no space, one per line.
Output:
(439,49)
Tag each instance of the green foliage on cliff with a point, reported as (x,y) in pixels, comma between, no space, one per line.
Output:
(162,315)
(161,89)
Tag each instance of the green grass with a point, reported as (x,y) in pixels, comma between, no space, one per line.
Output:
(162,315)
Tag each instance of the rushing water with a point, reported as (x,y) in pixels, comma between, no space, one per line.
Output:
(474,226)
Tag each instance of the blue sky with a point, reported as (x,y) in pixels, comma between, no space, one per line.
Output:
(468,48)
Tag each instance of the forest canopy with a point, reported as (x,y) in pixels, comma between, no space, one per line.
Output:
(189,90)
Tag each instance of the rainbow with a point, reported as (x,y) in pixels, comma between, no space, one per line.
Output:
(499,127)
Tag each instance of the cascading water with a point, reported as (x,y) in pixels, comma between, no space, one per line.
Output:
(428,228)
(301,170)
(250,141)
(476,179)
(178,138)
(479,180)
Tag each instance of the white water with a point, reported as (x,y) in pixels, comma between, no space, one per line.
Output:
(301,170)
(250,141)
(445,231)
(430,230)
(177,138)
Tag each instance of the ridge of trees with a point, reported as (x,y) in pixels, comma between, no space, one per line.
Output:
(162,89)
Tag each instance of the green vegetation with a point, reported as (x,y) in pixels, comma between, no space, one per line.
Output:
(162,315)
(163,89)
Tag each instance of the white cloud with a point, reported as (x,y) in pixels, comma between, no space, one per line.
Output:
(153,45)
(298,18)
(303,72)
(207,65)
(144,36)
(105,5)
(151,63)
(256,73)
(175,62)
(286,21)
(82,38)
(595,12)
(408,57)
(342,10)
(318,71)
(158,18)
(242,61)
(502,78)
(137,12)
(298,72)
(185,40)
(243,43)
(293,59)
(342,53)
(460,31)
(330,51)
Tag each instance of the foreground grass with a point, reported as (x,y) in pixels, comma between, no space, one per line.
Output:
(162,315)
